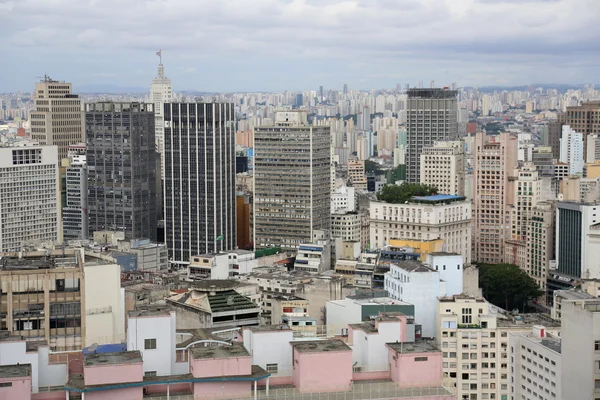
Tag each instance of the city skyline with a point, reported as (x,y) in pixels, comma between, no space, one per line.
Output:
(365,44)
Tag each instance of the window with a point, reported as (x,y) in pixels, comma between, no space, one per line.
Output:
(5,384)
(597,345)
(149,344)
(420,358)
(272,368)
(150,373)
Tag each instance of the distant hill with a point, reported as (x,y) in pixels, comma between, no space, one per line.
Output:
(562,87)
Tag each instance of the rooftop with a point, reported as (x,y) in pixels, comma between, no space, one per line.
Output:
(412,266)
(443,253)
(215,285)
(573,294)
(453,299)
(149,312)
(369,300)
(268,328)
(318,346)
(413,347)
(438,198)
(36,260)
(125,357)
(523,320)
(15,370)
(232,351)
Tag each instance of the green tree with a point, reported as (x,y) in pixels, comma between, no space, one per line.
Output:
(372,166)
(403,193)
(507,286)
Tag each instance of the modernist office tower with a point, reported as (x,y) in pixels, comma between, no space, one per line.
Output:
(122,167)
(57,118)
(292,181)
(161,92)
(199,179)
(75,210)
(431,116)
(29,196)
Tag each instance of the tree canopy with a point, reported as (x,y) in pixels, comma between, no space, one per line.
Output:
(372,166)
(403,193)
(507,286)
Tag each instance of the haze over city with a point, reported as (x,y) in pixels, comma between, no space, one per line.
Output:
(274,45)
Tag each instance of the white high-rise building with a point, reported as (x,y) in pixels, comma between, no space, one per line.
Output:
(29,196)
(161,92)
(443,166)
(571,150)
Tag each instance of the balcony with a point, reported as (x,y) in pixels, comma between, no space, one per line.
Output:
(469,326)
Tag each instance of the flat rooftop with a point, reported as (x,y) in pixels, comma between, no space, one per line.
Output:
(413,347)
(36,262)
(15,370)
(150,312)
(318,346)
(573,295)
(268,328)
(412,266)
(525,320)
(438,198)
(124,357)
(455,298)
(232,351)
(366,300)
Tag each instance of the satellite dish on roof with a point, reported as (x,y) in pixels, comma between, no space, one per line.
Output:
(93,348)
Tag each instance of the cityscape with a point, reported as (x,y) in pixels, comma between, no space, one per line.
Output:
(369,235)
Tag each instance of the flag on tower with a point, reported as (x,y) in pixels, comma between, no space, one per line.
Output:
(159,53)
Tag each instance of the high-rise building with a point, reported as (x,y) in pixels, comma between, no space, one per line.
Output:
(200,197)
(431,117)
(494,160)
(572,150)
(554,135)
(161,92)
(526,192)
(122,165)
(75,210)
(540,242)
(345,88)
(356,174)
(292,188)
(29,195)
(443,166)
(57,118)
(584,118)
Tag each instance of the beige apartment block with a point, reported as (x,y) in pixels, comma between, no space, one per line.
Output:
(443,166)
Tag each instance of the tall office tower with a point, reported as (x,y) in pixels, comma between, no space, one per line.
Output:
(364,119)
(345,88)
(29,196)
(571,150)
(431,117)
(291,181)
(122,167)
(75,211)
(161,92)
(554,135)
(494,160)
(443,166)
(584,118)
(200,197)
(540,242)
(57,117)
(321,95)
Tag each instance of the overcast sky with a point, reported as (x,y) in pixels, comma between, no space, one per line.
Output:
(264,45)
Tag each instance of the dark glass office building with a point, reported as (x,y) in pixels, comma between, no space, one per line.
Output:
(199,179)
(121,159)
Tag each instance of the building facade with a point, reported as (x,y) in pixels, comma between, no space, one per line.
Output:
(584,118)
(443,166)
(424,218)
(571,150)
(495,159)
(540,242)
(56,118)
(75,211)
(161,92)
(200,197)
(431,116)
(292,181)
(121,168)
(29,196)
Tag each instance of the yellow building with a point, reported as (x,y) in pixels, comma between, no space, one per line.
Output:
(593,169)
(422,247)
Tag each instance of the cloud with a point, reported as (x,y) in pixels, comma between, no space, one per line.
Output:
(298,44)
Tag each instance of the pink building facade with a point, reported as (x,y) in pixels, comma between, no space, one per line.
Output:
(15,382)
(322,366)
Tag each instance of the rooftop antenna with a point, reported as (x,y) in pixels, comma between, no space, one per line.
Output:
(159,54)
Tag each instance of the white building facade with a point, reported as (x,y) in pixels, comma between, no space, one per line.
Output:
(29,196)
(443,166)
(571,150)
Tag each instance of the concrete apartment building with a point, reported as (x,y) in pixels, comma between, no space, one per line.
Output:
(540,242)
(57,117)
(584,118)
(443,166)
(535,362)
(424,218)
(54,296)
(29,196)
(431,116)
(122,165)
(346,226)
(494,160)
(572,150)
(200,196)
(473,336)
(356,174)
(292,181)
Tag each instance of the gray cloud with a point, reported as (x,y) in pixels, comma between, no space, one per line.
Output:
(298,44)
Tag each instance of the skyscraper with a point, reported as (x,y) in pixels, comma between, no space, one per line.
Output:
(56,118)
(571,150)
(29,195)
(431,117)
(292,188)
(122,166)
(200,198)
(494,160)
(75,211)
(161,92)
